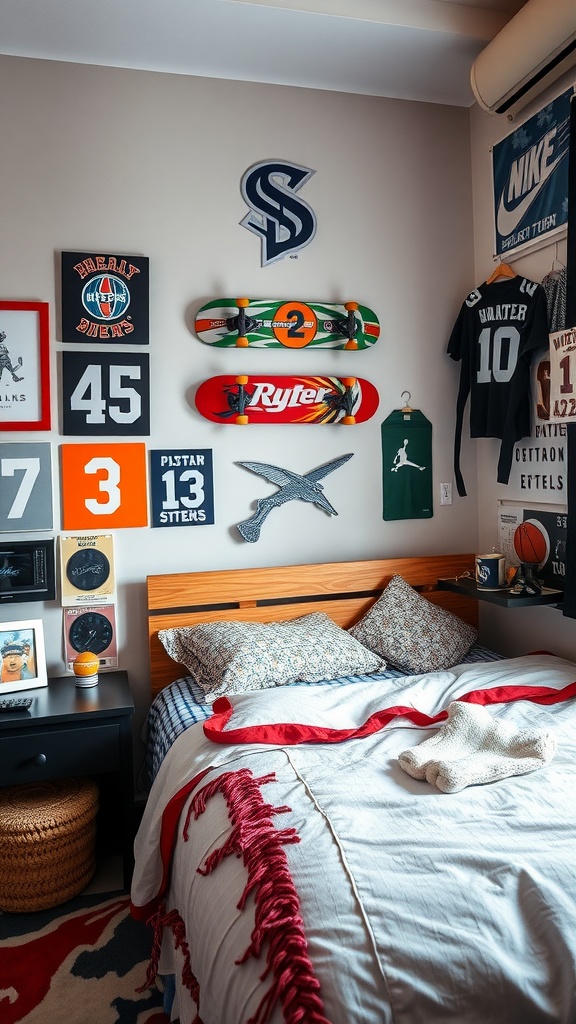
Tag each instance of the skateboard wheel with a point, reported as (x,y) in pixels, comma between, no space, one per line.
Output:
(348,382)
(242,303)
(350,306)
(242,420)
(348,419)
(351,344)
(241,342)
(242,380)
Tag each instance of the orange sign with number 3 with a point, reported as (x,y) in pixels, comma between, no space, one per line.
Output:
(103,486)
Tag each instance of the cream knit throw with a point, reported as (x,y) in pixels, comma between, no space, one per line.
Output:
(473,748)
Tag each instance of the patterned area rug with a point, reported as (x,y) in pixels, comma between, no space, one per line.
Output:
(80,963)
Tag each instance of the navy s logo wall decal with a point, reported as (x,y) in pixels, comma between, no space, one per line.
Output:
(285,223)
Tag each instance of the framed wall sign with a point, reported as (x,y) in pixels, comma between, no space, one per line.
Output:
(27,571)
(91,629)
(104,486)
(25,486)
(87,570)
(106,393)
(182,487)
(563,376)
(530,179)
(22,657)
(105,298)
(24,366)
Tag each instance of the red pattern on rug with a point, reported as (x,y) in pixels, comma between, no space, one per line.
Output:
(67,952)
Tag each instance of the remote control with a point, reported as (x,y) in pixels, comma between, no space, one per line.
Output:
(15,703)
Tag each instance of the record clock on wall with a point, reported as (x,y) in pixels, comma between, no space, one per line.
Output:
(91,628)
(91,631)
(88,569)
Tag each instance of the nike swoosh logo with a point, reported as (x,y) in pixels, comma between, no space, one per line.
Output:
(508,220)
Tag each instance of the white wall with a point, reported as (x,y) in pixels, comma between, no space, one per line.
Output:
(513,631)
(110,160)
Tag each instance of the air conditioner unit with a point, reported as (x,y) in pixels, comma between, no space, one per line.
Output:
(532,50)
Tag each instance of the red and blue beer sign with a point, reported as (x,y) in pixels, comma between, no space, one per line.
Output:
(105,298)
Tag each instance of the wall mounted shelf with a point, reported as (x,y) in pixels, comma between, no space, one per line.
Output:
(504,598)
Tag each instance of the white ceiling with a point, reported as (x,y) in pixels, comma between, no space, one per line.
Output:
(409,49)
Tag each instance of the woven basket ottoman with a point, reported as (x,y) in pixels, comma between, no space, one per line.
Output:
(47,841)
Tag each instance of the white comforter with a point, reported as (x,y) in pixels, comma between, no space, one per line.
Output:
(419,907)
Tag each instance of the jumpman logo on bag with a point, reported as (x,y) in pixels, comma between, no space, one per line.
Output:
(401,459)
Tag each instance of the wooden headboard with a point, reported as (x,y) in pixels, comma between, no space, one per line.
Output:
(343,590)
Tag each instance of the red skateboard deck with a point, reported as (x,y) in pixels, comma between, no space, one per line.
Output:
(281,323)
(260,398)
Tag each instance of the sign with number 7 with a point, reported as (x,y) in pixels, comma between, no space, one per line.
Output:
(103,486)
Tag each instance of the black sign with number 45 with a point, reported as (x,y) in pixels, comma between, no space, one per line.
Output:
(106,393)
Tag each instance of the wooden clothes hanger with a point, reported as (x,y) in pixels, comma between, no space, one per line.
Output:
(502,270)
(406,408)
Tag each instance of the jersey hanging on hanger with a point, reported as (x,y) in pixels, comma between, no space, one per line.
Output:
(407,465)
(498,328)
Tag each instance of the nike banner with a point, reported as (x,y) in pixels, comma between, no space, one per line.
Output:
(407,466)
(530,178)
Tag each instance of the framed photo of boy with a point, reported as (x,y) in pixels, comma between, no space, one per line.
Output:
(24,366)
(22,656)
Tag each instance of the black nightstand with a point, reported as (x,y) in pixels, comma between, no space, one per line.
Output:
(74,731)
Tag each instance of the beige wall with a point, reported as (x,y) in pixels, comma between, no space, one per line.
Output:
(514,631)
(128,161)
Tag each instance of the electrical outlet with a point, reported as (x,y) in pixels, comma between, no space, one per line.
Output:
(445,494)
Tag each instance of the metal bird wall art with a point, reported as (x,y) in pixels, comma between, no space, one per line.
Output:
(292,486)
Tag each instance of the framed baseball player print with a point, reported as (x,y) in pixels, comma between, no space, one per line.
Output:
(24,366)
(22,657)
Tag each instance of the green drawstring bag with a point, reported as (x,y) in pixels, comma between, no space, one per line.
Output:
(407,466)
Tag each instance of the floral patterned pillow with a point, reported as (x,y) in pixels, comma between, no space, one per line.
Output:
(412,633)
(231,657)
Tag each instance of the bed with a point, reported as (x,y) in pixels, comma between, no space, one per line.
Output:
(392,843)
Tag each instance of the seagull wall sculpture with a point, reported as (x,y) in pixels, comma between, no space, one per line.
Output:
(292,486)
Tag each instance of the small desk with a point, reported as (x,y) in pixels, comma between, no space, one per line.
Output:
(74,731)
(466,585)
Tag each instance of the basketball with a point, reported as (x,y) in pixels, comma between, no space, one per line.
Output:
(530,543)
(86,664)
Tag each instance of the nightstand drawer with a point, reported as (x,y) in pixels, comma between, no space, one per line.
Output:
(33,755)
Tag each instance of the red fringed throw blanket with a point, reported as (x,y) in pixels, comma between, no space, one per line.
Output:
(278,925)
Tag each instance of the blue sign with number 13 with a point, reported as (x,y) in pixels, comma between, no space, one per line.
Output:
(182,487)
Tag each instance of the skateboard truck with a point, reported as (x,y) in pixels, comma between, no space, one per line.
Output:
(243,400)
(349,327)
(348,400)
(242,323)
(344,400)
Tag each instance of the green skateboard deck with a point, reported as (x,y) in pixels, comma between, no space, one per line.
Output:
(279,323)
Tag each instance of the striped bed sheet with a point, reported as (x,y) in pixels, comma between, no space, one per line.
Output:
(179,706)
